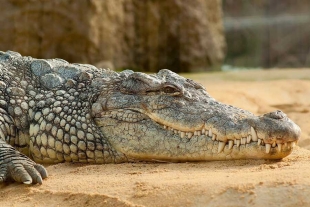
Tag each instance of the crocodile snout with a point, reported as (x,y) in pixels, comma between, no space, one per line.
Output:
(277,127)
(276,114)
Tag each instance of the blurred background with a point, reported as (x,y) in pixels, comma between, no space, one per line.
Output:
(267,33)
(182,35)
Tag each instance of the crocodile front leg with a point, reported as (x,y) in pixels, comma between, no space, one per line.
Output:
(17,166)
(14,164)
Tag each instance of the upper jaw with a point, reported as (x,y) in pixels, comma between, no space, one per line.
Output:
(273,130)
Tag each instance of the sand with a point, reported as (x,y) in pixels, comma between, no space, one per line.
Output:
(220,183)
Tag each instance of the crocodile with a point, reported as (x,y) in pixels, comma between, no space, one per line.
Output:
(53,111)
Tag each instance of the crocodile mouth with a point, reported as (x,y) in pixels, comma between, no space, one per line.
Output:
(202,132)
(251,139)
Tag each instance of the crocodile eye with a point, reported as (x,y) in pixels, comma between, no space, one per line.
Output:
(170,89)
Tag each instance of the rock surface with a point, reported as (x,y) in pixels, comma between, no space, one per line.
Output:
(183,36)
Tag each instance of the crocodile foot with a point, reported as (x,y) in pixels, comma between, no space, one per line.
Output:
(20,168)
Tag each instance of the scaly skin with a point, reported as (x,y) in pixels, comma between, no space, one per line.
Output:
(53,111)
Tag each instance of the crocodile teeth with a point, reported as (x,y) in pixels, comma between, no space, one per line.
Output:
(210,133)
(238,142)
(248,139)
(214,137)
(268,147)
(230,144)
(291,144)
(221,147)
(259,141)
(254,135)
(243,140)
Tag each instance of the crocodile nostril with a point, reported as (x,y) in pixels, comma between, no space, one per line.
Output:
(276,114)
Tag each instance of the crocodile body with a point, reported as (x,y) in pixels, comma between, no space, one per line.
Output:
(53,111)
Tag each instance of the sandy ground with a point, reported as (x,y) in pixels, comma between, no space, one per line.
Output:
(222,183)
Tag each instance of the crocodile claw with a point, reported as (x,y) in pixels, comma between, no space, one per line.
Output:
(20,168)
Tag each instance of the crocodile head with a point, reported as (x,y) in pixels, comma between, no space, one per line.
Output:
(168,117)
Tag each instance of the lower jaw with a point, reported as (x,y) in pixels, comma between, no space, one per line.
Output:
(209,153)
(254,151)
